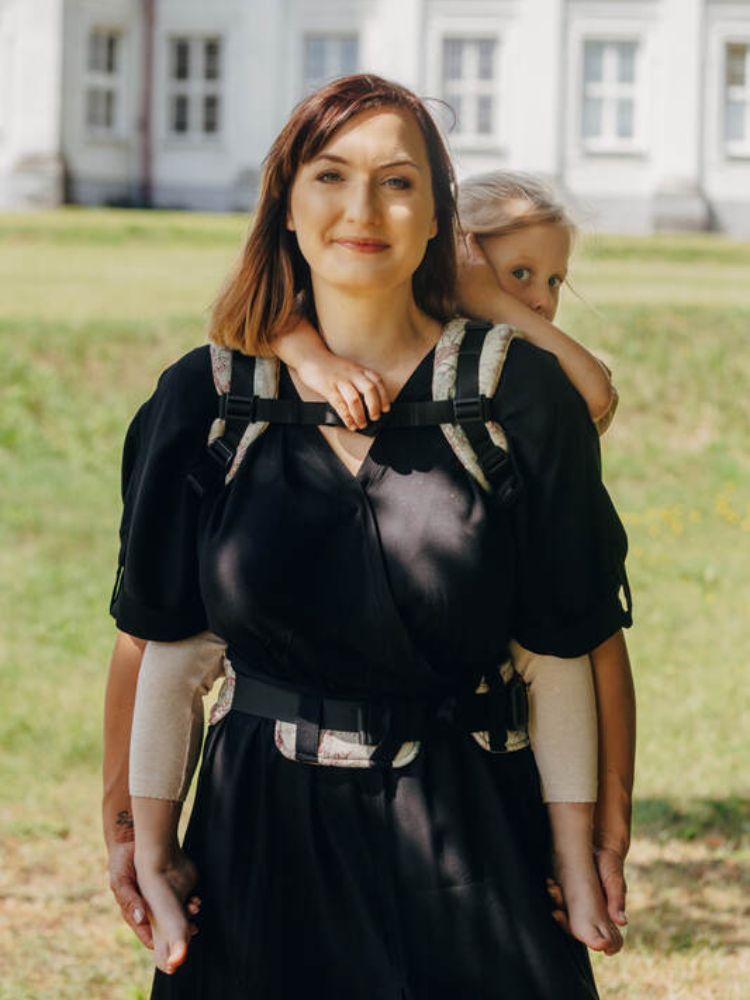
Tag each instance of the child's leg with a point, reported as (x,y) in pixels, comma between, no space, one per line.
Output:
(166,876)
(575,870)
(563,735)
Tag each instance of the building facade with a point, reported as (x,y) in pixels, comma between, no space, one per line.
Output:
(639,110)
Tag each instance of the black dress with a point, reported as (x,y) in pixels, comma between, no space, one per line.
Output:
(424,882)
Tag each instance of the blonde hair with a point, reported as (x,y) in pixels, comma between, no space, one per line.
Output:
(504,201)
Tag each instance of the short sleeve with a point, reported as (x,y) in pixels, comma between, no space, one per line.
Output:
(157,590)
(571,590)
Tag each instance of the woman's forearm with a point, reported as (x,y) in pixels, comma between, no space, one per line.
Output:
(615,696)
(117,817)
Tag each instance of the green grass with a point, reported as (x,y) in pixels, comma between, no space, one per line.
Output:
(98,303)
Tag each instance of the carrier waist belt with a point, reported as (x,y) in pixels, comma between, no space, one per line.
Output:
(375,720)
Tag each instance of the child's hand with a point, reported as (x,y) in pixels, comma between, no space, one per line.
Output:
(478,290)
(344,384)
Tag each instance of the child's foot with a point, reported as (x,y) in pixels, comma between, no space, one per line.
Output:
(165,889)
(587,908)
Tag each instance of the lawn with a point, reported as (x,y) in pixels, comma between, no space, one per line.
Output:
(96,303)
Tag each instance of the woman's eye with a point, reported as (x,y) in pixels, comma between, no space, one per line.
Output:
(399,183)
(521,273)
(329,176)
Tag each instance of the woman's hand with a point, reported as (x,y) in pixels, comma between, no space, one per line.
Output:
(610,865)
(124,885)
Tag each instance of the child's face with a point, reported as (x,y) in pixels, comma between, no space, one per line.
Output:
(531,264)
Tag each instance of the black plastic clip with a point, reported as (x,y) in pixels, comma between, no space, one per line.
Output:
(472,409)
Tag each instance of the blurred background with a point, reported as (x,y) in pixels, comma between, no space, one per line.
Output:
(132,134)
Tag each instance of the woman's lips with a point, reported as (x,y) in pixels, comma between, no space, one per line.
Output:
(363,246)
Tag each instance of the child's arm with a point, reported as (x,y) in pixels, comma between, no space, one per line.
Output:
(341,382)
(615,696)
(481,296)
(562,723)
(167,729)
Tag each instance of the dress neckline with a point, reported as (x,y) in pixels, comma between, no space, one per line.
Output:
(417,382)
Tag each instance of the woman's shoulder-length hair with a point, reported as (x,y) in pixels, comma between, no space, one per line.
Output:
(271,280)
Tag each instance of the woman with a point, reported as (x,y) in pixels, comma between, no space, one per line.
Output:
(365,568)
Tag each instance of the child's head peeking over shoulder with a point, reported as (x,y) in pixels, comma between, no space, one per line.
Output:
(525,233)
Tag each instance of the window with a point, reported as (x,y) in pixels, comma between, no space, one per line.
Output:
(194,87)
(469,75)
(737,98)
(102,89)
(609,113)
(327,56)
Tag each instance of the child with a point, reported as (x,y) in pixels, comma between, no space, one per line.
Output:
(515,259)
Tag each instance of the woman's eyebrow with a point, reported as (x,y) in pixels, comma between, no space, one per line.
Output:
(404,162)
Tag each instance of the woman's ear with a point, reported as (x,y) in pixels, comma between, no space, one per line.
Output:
(289,221)
(433,228)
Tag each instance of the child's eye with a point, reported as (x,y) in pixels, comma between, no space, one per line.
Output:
(329,176)
(522,273)
(555,281)
(398,183)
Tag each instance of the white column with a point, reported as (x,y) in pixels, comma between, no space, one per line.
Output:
(33,104)
(538,74)
(392,41)
(679,80)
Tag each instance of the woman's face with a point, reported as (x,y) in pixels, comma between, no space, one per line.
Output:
(531,264)
(362,209)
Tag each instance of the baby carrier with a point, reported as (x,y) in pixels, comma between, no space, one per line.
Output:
(468,364)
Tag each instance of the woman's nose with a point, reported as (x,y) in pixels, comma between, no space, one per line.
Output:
(362,204)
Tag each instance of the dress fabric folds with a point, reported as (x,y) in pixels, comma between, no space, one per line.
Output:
(425,881)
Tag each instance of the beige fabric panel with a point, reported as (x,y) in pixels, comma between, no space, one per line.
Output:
(167,733)
(174,678)
(562,723)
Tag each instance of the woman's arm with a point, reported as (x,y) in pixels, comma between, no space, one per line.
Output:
(481,296)
(117,816)
(615,698)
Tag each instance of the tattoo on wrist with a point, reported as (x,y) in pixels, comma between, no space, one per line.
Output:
(124,818)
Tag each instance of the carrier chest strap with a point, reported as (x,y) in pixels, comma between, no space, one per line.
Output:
(241,410)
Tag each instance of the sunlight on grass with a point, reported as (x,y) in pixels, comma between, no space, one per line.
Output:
(101,301)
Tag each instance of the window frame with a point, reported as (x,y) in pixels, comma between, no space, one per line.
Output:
(473,140)
(196,88)
(103,81)
(609,91)
(308,85)
(734,149)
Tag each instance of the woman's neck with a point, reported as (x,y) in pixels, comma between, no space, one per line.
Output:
(382,331)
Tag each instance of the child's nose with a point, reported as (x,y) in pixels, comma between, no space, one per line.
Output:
(541,302)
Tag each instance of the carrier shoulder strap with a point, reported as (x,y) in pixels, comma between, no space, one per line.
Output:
(468,364)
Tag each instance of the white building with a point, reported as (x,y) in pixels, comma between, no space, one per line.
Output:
(639,109)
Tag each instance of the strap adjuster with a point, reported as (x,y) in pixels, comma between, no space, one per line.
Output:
(220,451)
(232,407)
(472,409)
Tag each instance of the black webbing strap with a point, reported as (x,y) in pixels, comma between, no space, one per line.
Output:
(249,409)
(472,412)
(385,723)
(210,472)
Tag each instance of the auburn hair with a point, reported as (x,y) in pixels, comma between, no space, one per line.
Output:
(271,280)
